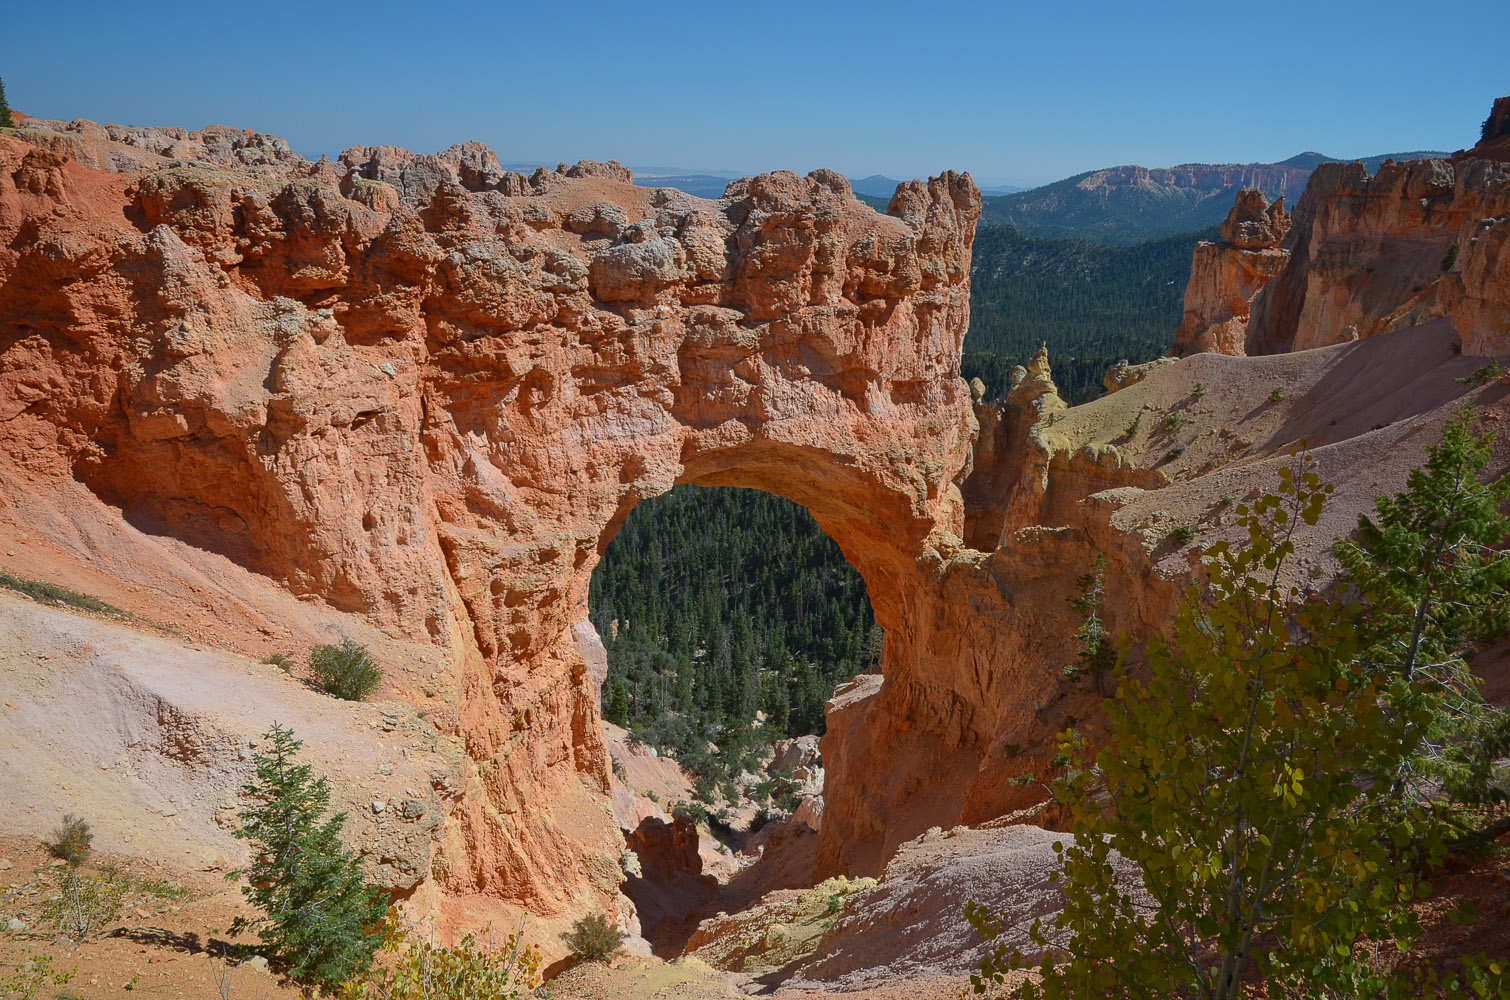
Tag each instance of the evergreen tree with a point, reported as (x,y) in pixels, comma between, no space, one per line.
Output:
(6,121)
(617,710)
(1431,567)
(317,912)
(729,602)
(1098,654)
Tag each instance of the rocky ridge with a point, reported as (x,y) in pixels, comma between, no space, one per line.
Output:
(1417,241)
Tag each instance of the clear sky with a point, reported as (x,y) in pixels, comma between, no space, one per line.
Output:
(1007,91)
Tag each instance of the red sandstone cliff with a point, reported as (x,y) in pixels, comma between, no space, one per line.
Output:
(1417,241)
(1224,277)
(427,391)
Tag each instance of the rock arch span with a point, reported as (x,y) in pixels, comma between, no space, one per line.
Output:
(427,391)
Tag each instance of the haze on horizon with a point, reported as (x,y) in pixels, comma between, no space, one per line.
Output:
(1014,93)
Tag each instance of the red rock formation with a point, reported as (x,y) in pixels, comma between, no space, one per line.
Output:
(428,391)
(1224,277)
(1367,255)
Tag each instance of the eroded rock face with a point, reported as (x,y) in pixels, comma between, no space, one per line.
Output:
(1253,223)
(428,391)
(1415,242)
(1224,277)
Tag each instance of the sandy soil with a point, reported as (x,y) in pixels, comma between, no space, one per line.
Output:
(151,739)
(161,947)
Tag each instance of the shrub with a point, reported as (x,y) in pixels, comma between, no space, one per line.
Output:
(1183,534)
(317,910)
(346,671)
(1131,430)
(1482,376)
(468,970)
(695,811)
(1197,391)
(85,903)
(28,978)
(1449,258)
(280,661)
(1172,422)
(70,841)
(1276,394)
(594,938)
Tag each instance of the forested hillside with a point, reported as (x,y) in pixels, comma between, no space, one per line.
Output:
(1131,204)
(718,603)
(1127,205)
(1091,304)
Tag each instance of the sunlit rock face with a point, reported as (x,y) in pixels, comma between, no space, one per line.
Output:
(428,391)
(1417,241)
(1225,276)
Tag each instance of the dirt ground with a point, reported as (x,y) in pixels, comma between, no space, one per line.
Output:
(159,947)
(179,947)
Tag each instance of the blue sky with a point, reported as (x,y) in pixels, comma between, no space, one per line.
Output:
(1006,91)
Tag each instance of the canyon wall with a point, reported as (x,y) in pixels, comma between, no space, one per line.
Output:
(1416,241)
(426,391)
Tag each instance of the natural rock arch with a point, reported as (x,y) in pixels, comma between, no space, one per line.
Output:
(426,390)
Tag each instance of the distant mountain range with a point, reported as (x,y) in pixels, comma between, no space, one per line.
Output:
(1130,204)
(875,186)
(1309,161)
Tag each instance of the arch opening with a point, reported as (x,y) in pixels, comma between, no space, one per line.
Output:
(729,616)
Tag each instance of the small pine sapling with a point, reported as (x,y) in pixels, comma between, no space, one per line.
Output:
(1097,654)
(317,912)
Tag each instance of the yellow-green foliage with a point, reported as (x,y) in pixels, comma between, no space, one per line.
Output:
(86,903)
(30,977)
(1249,775)
(467,970)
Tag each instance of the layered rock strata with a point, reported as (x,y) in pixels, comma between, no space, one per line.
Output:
(1224,277)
